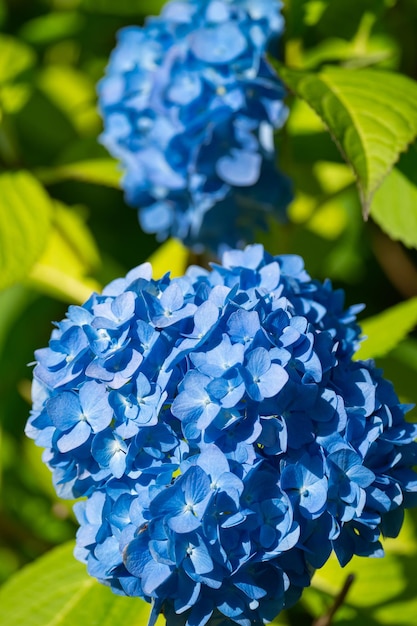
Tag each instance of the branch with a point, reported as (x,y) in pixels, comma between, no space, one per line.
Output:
(326,620)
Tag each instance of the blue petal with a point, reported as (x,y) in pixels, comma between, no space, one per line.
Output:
(240,168)
(75,437)
(219,44)
(64,410)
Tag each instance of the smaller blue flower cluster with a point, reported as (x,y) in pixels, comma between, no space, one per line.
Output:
(224,438)
(189,105)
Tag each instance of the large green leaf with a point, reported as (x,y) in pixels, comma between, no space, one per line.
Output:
(25,213)
(56,591)
(385,330)
(71,255)
(394,206)
(371,115)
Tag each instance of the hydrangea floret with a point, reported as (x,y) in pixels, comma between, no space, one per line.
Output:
(190,104)
(223,437)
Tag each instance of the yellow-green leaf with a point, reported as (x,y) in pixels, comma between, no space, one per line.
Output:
(56,591)
(69,258)
(15,58)
(96,171)
(384,331)
(51,27)
(371,115)
(25,214)
(170,257)
(394,206)
(73,92)
(380,587)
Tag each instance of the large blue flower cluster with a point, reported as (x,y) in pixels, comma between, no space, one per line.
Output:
(189,105)
(224,438)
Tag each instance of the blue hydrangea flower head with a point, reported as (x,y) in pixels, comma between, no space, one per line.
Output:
(222,436)
(190,104)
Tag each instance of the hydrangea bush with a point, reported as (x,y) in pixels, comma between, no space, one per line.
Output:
(189,105)
(222,435)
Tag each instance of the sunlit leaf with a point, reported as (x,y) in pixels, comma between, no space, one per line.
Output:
(170,257)
(380,585)
(74,93)
(371,115)
(15,58)
(330,218)
(385,330)
(400,366)
(394,206)
(56,591)
(96,171)
(15,96)
(52,27)
(69,258)
(25,213)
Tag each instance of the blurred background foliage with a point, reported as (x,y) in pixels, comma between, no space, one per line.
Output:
(65,230)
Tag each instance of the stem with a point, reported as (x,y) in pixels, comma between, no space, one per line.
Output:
(395,263)
(326,620)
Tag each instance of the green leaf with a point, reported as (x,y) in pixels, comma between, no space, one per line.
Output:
(381,586)
(52,27)
(69,258)
(385,330)
(56,591)
(400,366)
(371,115)
(96,171)
(12,302)
(394,207)
(73,92)
(25,213)
(15,58)
(14,96)
(123,7)
(170,257)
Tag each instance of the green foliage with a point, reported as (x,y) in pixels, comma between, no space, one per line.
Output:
(171,257)
(384,590)
(69,256)
(23,231)
(57,592)
(65,231)
(394,206)
(52,27)
(385,331)
(123,7)
(370,114)
(97,171)
(15,58)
